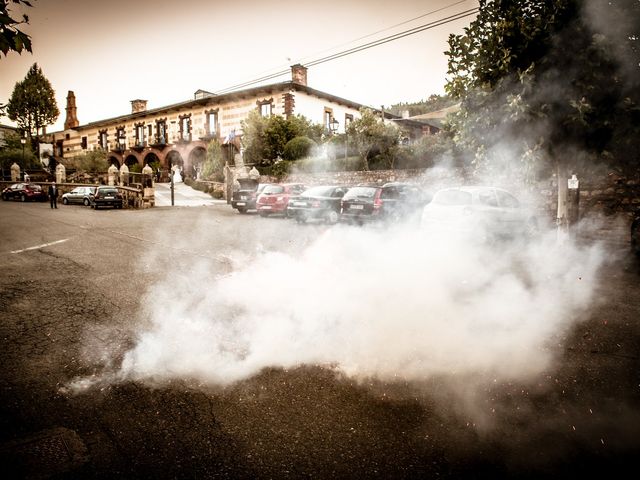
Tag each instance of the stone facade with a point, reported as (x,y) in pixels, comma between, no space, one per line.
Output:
(178,134)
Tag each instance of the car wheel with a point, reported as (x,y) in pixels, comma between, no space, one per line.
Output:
(332,217)
(301,218)
(242,210)
(4,197)
(264,214)
(23,198)
(86,202)
(65,201)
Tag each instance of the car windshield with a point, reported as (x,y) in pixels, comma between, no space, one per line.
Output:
(108,190)
(35,188)
(361,192)
(452,197)
(273,189)
(318,192)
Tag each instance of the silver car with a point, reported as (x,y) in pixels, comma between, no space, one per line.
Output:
(483,212)
(79,195)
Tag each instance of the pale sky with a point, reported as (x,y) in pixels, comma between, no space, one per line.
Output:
(111,52)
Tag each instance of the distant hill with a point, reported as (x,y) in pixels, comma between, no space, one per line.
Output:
(431,104)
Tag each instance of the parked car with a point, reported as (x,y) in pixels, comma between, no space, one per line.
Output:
(24,192)
(481,211)
(361,203)
(245,197)
(275,198)
(105,196)
(79,195)
(321,202)
(402,201)
(635,234)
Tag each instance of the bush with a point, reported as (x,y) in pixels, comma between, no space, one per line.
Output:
(298,147)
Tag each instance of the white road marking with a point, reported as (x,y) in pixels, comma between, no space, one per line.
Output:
(40,246)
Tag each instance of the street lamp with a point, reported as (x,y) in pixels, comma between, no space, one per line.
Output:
(333,126)
(23,141)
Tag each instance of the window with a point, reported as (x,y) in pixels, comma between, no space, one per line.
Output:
(161,131)
(84,143)
(150,130)
(487,198)
(507,200)
(102,140)
(328,117)
(140,135)
(348,118)
(452,197)
(121,138)
(212,123)
(265,107)
(185,128)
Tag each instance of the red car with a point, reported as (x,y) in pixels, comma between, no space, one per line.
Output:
(274,199)
(24,192)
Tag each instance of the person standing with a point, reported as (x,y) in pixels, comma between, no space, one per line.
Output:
(53,195)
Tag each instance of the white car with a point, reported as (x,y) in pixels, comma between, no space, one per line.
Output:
(483,212)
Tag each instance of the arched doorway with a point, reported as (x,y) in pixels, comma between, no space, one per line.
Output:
(153,161)
(114,161)
(131,162)
(174,159)
(197,157)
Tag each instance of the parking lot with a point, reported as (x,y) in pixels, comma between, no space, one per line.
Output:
(201,343)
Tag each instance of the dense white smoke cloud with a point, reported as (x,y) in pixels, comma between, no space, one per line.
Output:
(397,303)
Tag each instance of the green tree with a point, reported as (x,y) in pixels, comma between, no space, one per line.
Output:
(14,151)
(547,85)
(33,104)
(90,162)
(373,138)
(548,77)
(264,138)
(298,147)
(214,164)
(11,37)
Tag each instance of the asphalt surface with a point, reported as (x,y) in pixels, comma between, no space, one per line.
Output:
(73,292)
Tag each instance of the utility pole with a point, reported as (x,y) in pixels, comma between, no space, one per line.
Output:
(171,176)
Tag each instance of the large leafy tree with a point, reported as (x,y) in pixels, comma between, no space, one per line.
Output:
(33,104)
(372,136)
(548,84)
(549,78)
(264,138)
(12,39)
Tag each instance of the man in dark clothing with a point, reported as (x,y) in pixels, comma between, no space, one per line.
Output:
(53,195)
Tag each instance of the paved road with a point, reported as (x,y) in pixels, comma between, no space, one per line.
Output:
(183,196)
(76,290)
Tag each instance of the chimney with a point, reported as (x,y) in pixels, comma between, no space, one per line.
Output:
(299,74)
(72,120)
(138,106)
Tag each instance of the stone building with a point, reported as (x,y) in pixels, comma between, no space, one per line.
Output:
(178,134)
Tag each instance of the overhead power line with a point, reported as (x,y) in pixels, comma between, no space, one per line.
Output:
(375,43)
